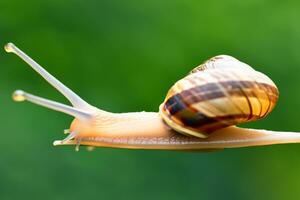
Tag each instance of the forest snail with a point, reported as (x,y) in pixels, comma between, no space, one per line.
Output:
(199,112)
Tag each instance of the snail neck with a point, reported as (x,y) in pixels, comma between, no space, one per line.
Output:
(125,125)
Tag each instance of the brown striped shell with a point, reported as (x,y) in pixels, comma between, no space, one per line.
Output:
(221,92)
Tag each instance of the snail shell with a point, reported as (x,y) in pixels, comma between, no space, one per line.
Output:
(220,92)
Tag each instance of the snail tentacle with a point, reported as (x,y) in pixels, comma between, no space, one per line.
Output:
(20,95)
(75,100)
(71,136)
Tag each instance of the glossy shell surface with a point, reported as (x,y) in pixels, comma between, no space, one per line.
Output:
(219,93)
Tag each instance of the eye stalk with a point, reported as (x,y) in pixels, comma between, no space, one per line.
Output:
(20,95)
(80,109)
(75,100)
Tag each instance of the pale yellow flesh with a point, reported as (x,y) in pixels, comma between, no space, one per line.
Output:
(231,137)
(146,130)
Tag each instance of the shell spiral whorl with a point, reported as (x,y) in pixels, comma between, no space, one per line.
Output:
(221,92)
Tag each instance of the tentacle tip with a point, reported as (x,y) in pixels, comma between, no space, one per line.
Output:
(9,47)
(57,142)
(19,95)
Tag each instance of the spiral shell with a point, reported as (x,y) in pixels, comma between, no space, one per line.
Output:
(221,92)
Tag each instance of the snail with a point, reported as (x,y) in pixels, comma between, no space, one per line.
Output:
(200,111)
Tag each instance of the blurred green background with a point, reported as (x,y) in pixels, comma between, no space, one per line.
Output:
(123,55)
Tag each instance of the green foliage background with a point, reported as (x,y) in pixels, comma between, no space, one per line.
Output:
(123,55)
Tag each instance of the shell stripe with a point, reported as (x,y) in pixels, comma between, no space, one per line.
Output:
(201,109)
(208,124)
(209,91)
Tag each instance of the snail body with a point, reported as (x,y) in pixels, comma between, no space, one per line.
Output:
(200,111)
